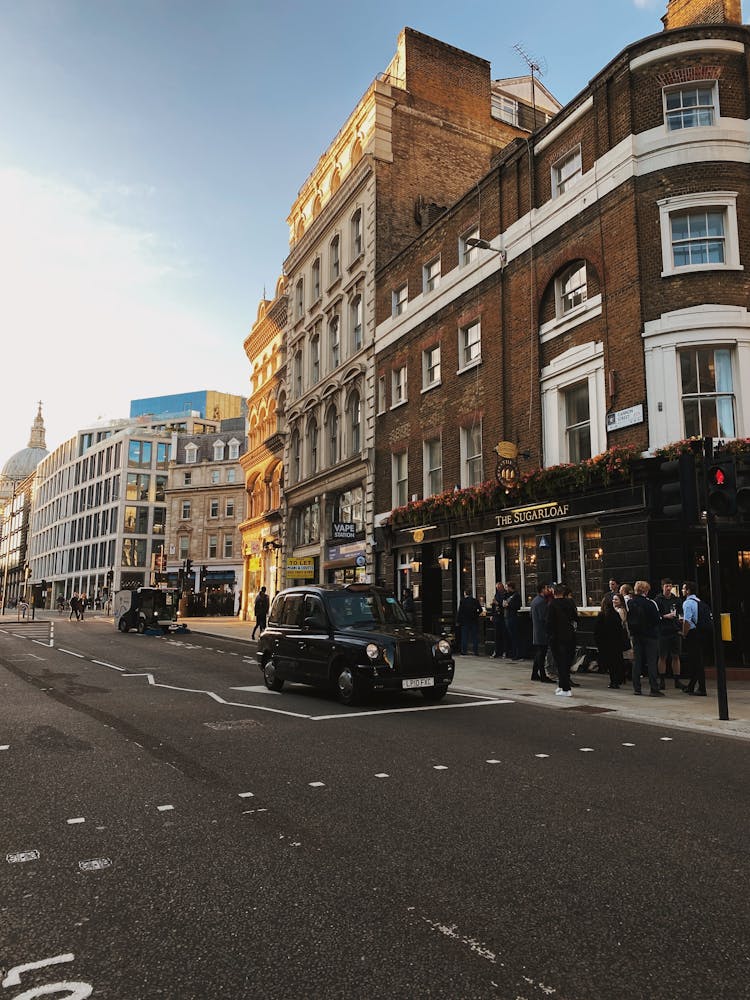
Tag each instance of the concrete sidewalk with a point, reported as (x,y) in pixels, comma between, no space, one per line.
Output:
(504,678)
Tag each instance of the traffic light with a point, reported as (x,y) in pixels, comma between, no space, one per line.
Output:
(677,492)
(204,574)
(721,488)
(743,484)
(188,566)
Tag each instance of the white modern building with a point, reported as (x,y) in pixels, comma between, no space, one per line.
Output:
(99,513)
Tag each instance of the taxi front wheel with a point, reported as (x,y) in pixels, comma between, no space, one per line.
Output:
(347,688)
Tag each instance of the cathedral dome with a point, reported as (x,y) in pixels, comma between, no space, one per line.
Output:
(25,461)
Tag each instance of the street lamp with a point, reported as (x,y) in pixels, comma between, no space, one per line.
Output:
(474,241)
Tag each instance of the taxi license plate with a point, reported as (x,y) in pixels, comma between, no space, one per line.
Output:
(419,682)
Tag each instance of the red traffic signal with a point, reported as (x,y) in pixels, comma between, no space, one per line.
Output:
(722,488)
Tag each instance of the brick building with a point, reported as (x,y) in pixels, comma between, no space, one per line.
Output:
(423,131)
(592,302)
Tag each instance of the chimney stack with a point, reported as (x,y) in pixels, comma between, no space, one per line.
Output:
(683,13)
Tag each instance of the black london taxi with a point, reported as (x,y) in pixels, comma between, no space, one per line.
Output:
(352,640)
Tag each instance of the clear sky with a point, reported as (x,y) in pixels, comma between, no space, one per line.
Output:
(150,152)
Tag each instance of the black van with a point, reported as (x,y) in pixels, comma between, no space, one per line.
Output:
(352,640)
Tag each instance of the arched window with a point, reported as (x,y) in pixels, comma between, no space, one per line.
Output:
(356,152)
(355,321)
(257,500)
(571,288)
(334,343)
(276,488)
(312,446)
(335,181)
(315,359)
(332,435)
(334,259)
(356,234)
(295,458)
(317,205)
(297,383)
(354,411)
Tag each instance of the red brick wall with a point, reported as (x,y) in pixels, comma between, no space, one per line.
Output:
(619,237)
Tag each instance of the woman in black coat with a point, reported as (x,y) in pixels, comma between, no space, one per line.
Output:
(610,637)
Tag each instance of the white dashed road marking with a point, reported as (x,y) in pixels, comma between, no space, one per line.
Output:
(78,819)
(317,784)
(164,808)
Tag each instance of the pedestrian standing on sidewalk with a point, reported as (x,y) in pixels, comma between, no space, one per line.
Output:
(469,610)
(497,617)
(643,624)
(692,649)
(511,604)
(610,638)
(261,611)
(562,622)
(669,632)
(73,608)
(538,610)
(82,605)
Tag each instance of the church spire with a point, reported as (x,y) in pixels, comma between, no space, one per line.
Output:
(37,431)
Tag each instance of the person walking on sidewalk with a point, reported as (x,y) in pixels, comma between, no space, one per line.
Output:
(562,622)
(538,610)
(643,624)
(74,608)
(692,639)
(261,611)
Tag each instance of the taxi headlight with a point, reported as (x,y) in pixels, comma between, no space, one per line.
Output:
(372,651)
(444,646)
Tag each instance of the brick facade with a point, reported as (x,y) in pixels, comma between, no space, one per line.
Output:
(622,337)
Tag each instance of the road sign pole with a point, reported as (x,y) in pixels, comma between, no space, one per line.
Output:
(714,576)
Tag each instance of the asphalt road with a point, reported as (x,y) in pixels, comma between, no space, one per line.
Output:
(171,829)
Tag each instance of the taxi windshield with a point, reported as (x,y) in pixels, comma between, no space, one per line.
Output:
(365,608)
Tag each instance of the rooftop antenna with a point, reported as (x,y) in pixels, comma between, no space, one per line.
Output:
(537,67)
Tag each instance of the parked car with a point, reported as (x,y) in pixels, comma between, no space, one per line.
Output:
(146,608)
(353,640)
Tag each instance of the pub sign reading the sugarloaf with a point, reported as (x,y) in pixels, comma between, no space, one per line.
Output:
(549,511)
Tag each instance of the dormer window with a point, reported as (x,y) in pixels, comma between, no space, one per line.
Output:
(234,449)
(191,453)
(219,447)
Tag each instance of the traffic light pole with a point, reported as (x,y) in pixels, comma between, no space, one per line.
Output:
(712,543)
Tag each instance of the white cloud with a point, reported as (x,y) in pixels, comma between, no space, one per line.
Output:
(90,313)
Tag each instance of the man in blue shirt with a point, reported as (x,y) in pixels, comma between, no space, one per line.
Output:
(692,654)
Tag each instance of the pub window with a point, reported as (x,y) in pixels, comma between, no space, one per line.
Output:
(580,561)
